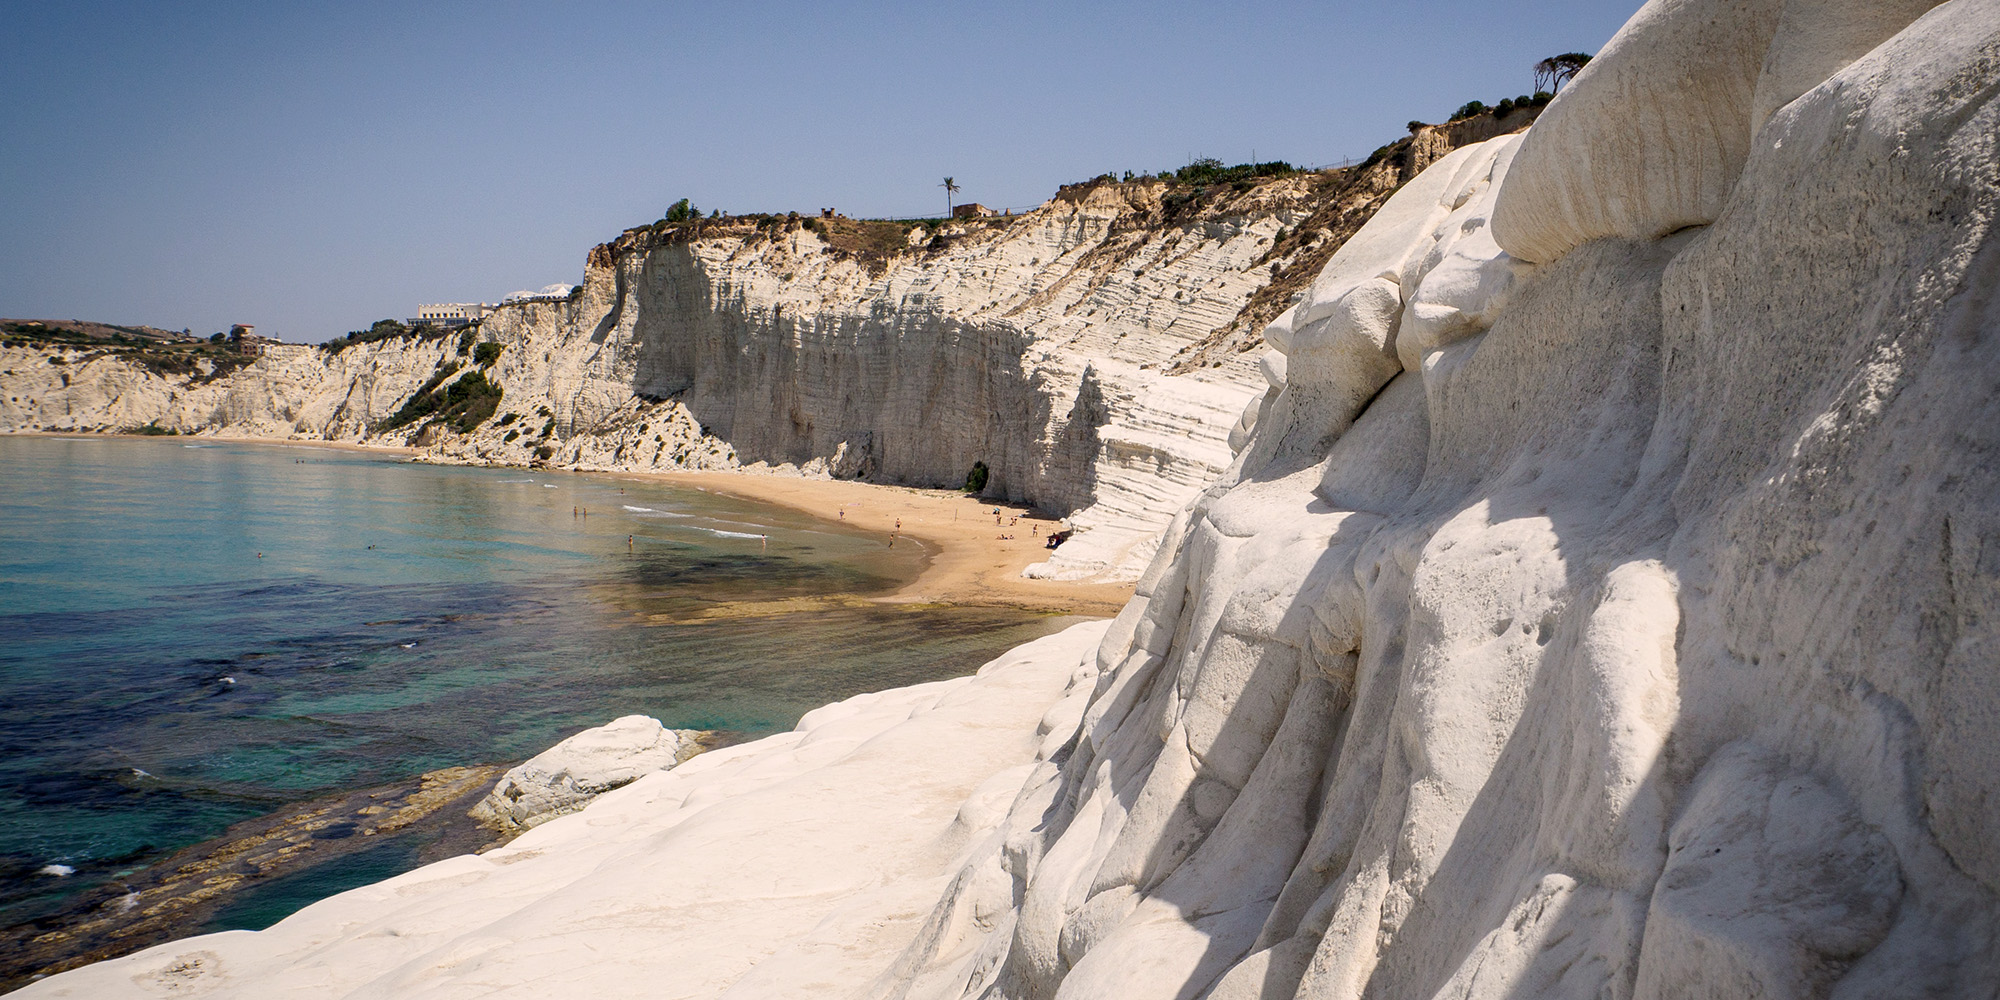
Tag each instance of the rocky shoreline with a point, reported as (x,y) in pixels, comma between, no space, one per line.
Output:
(436,815)
(181,894)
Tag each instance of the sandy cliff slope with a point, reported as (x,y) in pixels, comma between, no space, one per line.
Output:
(1602,603)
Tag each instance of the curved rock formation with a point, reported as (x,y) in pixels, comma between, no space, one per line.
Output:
(1610,626)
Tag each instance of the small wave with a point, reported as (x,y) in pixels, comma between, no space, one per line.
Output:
(719,533)
(197,446)
(128,901)
(548,486)
(58,871)
(513,480)
(638,510)
(412,644)
(227,680)
(140,772)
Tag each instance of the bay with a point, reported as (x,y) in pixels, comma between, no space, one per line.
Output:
(194,633)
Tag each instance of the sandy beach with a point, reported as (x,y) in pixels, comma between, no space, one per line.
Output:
(970,563)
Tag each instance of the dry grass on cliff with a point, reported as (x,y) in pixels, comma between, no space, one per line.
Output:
(872,242)
(162,352)
(1338,202)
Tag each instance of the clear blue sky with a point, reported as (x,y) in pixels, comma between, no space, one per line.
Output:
(312,168)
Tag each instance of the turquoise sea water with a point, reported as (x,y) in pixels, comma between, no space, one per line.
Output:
(194,633)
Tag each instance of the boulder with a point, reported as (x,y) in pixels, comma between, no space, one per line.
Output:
(565,777)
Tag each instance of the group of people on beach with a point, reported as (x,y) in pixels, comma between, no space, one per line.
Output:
(1000,519)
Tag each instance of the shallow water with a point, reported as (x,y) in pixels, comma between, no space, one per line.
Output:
(194,633)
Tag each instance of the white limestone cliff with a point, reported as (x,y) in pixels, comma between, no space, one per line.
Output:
(1613,625)
(1603,603)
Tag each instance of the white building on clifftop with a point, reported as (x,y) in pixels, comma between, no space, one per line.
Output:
(549,293)
(450,314)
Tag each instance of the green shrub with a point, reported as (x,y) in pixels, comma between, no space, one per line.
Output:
(682,211)
(470,401)
(1469,109)
(155,430)
(422,403)
(487,353)
(508,419)
(511,435)
(975,481)
(466,337)
(544,452)
(381,329)
(1208,170)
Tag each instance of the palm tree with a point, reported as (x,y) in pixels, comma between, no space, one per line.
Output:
(949,190)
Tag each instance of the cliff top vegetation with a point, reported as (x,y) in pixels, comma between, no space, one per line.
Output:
(162,352)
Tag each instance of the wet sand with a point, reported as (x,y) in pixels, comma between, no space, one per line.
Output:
(969,562)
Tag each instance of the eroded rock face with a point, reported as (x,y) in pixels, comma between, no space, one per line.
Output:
(1650,137)
(1611,625)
